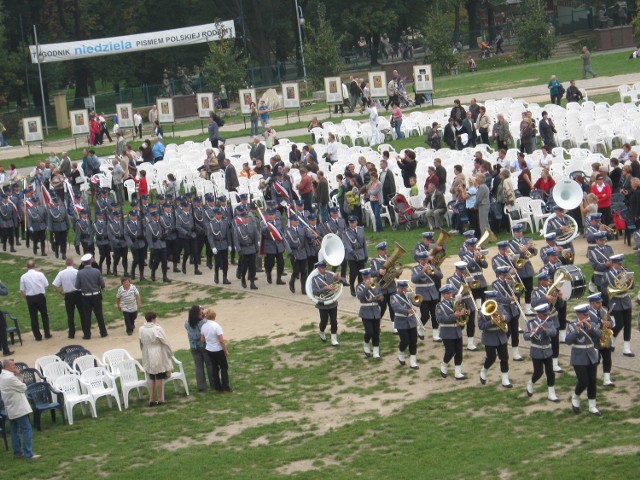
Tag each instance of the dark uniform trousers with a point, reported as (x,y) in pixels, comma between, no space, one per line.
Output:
(158,259)
(59,243)
(120,253)
(494,352)
(72,302)
(92,303)
(38,303)
(428,310)
(272,259)
(105,256)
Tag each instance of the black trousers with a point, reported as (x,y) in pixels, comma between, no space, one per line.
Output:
(354,271)
(371,331)
(120,253)
(384,303)
(562,317)
(159,259)
(38,303)
(272,259)
(484,135)
(173,251)
(471,324)
(428,311)
(6,234)
(4,342)
(607,218)
(137,255)
(452,349)
(547,364)
(201,241)
(311,262)
(408,338)
(92,304)
(514,330)
(299,271)
(105,255)
(130,321)
(329,316)
(59,242)
(222,261)
(623,320)
(586,375)
(38,238)
(555,346)
(528,288)
(188,248)
(248,264)
(605,357)
(73,302)
(220,370)
(474,220)
(501,352)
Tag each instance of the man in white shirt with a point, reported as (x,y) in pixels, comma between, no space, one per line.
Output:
(137,123)
(17,406)
(65,285)
(33,284)
(332,149)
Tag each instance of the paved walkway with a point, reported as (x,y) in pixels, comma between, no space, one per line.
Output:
(536,93)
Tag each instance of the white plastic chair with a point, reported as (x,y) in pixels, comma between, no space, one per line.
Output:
(176,376)
(110,359)
(130,186)
(130,379)
(100,383)
(55,370)
(539,216)
(86,362)
(69,386)
(525,219)
(46,360)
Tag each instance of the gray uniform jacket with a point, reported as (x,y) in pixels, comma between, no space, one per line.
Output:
(590,231)
(540,341)
(84,232)
(369,306)
(89,280)
(475,267)
(272,246)
(57,219)
(200,220)
(456,280)
(336,225)
(218,234)
(168,226)
(155,235)
(314,240)
(527,271)
(492,336)
(101,232)
(583,344)
(115,230)
(500,261)
(318,285)
(543,255)
(37,218)
(247,239)
(296,243)
(425,284)
(597,256)
(355,246)
(377,264)
(449,329)
(185,226)
(404,320)
(538,297)
(555,225)
(134,234)
(597,317)
(503,297)
(620,302)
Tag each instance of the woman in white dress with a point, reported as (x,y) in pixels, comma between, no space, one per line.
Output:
(156,357)
(372,110)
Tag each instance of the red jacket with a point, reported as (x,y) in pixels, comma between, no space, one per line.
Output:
(143,187)
(604,197)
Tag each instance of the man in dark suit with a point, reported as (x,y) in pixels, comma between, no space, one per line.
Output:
(257,150)
(388,183)
(230,176)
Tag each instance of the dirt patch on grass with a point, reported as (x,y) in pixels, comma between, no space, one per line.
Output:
(306,465)
(619,450)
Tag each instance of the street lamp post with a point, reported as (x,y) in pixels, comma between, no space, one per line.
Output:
(300,18)
(39,58)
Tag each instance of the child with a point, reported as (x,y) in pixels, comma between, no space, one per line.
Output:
(413,191)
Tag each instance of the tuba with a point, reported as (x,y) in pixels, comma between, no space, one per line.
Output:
(393,268)
(623,282)
(567,194)
(490,310)
(331,250)
(327,298)
(439,257)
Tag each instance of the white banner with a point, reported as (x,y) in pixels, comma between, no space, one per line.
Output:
(60,52)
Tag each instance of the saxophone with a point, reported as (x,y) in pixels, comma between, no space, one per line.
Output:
(606,332)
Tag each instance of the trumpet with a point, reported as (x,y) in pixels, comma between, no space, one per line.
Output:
(609,229)
(483,255)
(415,298)
(473,284)
(490,309)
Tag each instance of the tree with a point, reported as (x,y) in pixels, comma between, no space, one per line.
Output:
(438,33)
(224,65)
(9,64)
(536,39)
(322,49)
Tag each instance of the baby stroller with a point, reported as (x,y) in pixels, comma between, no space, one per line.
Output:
(405,214)
(403,99)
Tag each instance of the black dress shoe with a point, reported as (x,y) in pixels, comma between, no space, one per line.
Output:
(197,272)
(184,270)
(280,282)
(225,281)
(292,286)
(353,292)
(463,377)
(269,279)
(629,354)
(85,337)
(244,283)
(10,352)
(253,286)
(48,336)
(443,375)
(483,381)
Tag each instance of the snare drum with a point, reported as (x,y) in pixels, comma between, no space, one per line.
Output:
(575,286)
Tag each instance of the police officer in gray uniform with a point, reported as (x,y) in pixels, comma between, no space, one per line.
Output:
(8,220)
(273,242)
(115,231)
(475,266)
(296,246)
(599,256)
(199,220)
(620,305)
(247,241)
(218,237)
(324,283)
(539,331)
(157,246)
(314,240)
(542,296)
(58,224)
(370,313)
(495,343)
(551,243)
(208,207)
(90,283)
(522,246)
(101,231)
(135,236)
(583,336)
(598,316)
(378,270)
(186,230)
(355,251)
(559,225)
(84,233)
(424,277)
(337,225)
(506,297)
(595,226)
(450,332)
(405,323)
(167,221)
(458,279)
(502,258)
(37,225)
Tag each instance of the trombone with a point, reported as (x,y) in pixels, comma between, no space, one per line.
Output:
(473,284)
(518,286)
